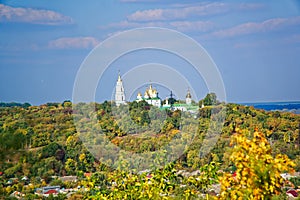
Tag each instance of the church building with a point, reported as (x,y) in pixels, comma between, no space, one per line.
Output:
(150,96)
(120,93)
(188,98)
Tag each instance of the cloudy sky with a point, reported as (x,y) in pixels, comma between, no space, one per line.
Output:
(254,44)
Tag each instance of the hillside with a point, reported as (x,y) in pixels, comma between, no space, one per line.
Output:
(42,141)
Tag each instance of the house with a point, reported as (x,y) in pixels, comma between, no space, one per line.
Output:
(12,181)
(292,193)
(46,191)
(286,176)
(87,174)
(17,194)
(149,176)
(52,191)
(68,178)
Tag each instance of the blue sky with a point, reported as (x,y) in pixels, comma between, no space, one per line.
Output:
(255,45)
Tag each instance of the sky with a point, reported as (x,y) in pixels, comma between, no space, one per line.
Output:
(255,46)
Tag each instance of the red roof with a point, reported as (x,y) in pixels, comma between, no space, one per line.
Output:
(149,176)
(234,174)
(51,192)
(292,192)
(87,174)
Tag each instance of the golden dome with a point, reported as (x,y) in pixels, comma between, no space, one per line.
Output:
(150,88)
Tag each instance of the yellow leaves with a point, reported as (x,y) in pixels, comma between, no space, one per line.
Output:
(82,157)
(226,182)
(245,172)
(138,184)
(240,165)
(269,133)
(189,192)
(273,181)
(271,189)
(258,172)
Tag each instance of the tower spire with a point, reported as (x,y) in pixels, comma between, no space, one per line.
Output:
(120,93)
(119,76)
(188,97)
(171,95)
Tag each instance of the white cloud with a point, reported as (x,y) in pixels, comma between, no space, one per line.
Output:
(258,27)
(182,17)
(180,12)
(185,11)
(250,6)
(184,26)
(33,16)
(179,16)
(73,43)
(187,26)
(128,25)
(147,15)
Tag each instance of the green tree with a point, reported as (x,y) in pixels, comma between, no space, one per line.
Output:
(210,99)
(70,166)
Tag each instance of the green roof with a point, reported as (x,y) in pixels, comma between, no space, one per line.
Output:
(180,105)
(166,106)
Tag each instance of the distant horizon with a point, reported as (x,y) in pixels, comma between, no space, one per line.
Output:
(242,103)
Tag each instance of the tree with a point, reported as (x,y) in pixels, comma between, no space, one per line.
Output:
(208,176)
(67,103)
(50,150)
(70,166)
(257,174)
(210,99)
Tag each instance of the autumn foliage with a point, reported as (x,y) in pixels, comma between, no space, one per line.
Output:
(257,174)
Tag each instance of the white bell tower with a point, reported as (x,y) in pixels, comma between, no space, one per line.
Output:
(120,93)
(188,98)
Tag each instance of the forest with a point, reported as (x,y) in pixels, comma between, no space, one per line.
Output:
(179,155)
